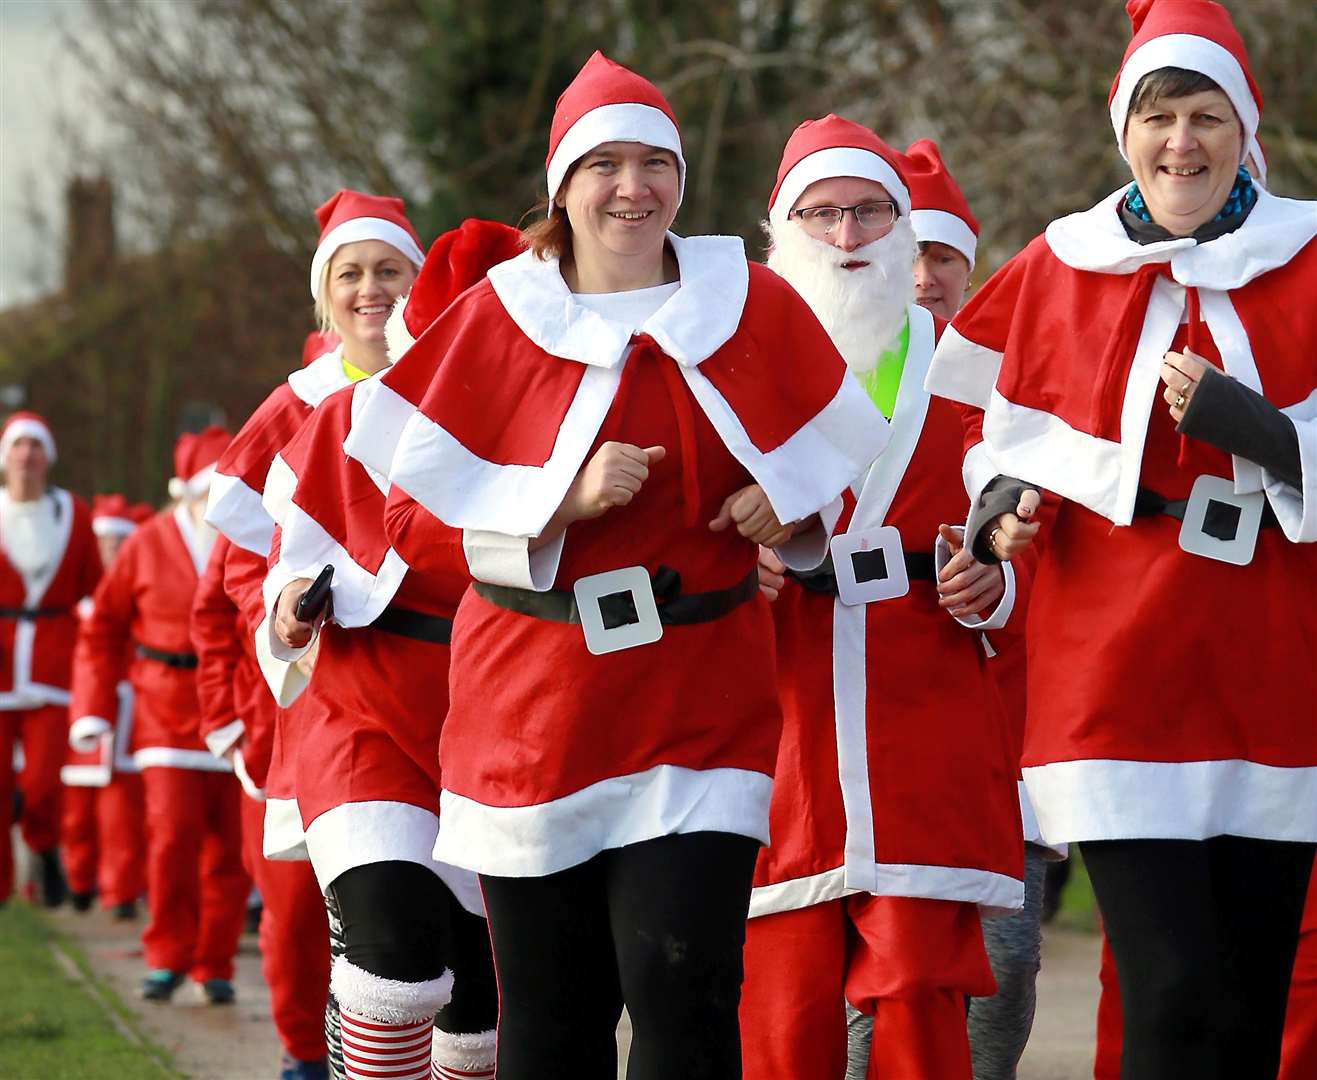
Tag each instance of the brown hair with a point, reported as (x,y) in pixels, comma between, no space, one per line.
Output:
(1168,82)
(550,237)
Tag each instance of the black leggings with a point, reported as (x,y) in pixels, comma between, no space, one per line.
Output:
(658,925)
(399,921)
(1203,933)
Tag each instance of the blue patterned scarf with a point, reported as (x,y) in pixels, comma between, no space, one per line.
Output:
(1242,197)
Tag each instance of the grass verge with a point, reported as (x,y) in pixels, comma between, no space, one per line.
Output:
(57,1019)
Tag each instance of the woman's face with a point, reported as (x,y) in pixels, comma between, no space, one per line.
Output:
(365,278)
(941,278)
(620,200)
(1184,153)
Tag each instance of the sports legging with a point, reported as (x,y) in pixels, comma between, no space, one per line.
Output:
(397,920)
(1204,934)
(657,925)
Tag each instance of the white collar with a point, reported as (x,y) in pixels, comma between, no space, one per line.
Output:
(1275,231)
(320,378)
(690,326)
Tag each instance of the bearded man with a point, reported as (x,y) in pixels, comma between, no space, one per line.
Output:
(894,814)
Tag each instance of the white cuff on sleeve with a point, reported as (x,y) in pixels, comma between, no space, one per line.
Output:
(999,615)
(285,679)
(500,559)
(86,731)
(220,741)
(807,550)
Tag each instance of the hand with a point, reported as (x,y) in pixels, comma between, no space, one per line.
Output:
(752,514)
(611,478)
(966,586)
(292,631)
(1009,534)
(306,663)
(772,573)
(1181,373)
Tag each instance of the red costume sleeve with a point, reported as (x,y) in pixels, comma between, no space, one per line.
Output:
(214,637)
(104,638)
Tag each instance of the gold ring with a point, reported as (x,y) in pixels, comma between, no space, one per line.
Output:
(992,538)
(1179,401)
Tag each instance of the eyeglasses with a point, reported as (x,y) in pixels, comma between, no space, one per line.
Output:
(871,217)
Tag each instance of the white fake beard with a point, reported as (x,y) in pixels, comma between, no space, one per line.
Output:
(862,310)
(397,338)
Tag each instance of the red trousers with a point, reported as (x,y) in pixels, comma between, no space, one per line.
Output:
(909,963)
(196,886)
(1298,1055)
(294,941)
(104,839)
(43,733)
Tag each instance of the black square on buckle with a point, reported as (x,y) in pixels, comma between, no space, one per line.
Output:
(618,609)
(869,565)
(1221,520)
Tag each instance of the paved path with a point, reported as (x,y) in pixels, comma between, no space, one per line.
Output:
(238,1042)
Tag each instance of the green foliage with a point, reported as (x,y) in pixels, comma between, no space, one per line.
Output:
(50,1025)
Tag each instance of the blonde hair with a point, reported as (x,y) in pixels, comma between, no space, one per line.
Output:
(324,313)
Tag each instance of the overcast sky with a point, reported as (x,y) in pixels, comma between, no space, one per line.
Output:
(38,83)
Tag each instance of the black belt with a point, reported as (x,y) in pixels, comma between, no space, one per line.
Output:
(1220,521)
(415,625)
(675,608)
(33,612)
(183,660)
(919,566)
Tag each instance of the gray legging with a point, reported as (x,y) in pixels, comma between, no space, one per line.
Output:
(999,1026)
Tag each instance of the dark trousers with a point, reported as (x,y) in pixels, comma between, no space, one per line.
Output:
(1204,934)
(397,920)
(659,925)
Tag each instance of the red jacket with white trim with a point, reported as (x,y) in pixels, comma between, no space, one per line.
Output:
(1164,698)
(36,654)
(145,599)
(897,770)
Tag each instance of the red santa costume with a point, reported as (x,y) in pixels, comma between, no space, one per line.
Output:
(912,814)
(103,831)
(48,563)
(1147,719)
(484,425)
(196,887)
(294,932)
(368,770)
(234,506)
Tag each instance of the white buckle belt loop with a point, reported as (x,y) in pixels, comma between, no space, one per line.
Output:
(870,565)
(600,638)
(1220,525)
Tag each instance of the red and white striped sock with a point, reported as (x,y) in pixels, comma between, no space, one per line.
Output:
(374,1050)
(463,1057)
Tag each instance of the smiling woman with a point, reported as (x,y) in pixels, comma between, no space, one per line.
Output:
(605,422)
(1152,361)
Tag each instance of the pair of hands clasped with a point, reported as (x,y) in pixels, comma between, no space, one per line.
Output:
(1009,534)
(965,586)
(616,473)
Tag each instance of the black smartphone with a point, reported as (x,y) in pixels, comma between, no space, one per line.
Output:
(313,601)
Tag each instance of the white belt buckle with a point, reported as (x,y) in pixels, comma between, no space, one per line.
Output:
(601,638)
(869,565)
(1240,516)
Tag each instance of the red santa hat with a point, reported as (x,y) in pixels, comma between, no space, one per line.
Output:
(195,456)
(350,216)
(26,425)
(457,260)
(938,208)
(609,103)
(1196,35)
(834,146)
(317,344)
(113,515)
